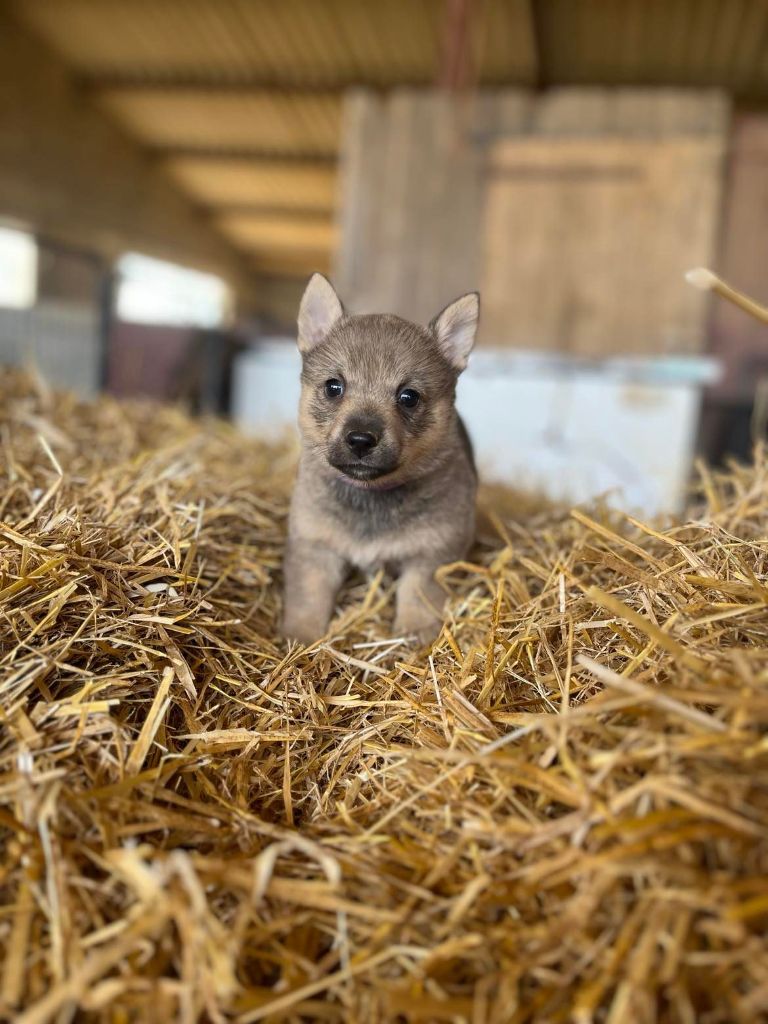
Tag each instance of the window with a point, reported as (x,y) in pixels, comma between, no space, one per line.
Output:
(18,269)
(151,291)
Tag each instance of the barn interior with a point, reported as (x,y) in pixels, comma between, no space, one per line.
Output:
(556,812)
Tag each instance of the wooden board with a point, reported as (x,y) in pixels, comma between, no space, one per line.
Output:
(435,202)
(411,198)
(587,241)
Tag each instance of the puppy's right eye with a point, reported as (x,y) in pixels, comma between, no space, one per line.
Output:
(334,388)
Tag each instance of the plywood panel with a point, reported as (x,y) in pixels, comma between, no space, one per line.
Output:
(418,202)
(628,112)
(587,241)
(412,197)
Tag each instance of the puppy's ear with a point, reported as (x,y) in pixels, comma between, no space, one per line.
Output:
(455,329)
(319,310)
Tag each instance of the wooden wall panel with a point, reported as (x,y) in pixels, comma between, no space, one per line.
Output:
(630,112)
(587,241)
(586,264)
(412,198)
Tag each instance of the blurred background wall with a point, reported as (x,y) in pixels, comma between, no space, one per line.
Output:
(171,173)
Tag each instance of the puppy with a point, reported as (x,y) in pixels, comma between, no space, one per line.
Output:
(386,475)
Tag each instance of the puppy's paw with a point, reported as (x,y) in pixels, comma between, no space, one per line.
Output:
(428,634)
(303,628)
(422,629)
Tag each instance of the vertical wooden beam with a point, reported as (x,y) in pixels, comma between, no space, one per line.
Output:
(456,69)
(536,19)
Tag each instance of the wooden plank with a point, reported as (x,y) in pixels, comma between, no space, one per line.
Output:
(361,185)
(630,112)
(587,241)
(416,205)
(411,200)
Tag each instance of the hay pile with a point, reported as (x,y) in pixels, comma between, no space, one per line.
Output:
(557,815)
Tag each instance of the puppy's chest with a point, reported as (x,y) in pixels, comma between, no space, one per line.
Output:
(371,528)
(369,515)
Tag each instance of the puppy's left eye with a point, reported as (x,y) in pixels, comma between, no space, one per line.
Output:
(409,398)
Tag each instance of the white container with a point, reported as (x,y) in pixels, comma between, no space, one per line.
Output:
(573,429)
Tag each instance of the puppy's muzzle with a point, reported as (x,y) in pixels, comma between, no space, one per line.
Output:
(362,451)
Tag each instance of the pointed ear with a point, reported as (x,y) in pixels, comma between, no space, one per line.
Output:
(455,329)
(319,310)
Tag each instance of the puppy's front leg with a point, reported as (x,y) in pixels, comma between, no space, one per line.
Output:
(420,602)
(313,575)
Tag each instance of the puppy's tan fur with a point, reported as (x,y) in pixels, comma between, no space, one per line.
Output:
(409,502)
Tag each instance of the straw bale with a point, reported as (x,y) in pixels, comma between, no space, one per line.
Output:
(557,813)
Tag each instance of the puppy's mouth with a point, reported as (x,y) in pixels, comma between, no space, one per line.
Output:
(361,471)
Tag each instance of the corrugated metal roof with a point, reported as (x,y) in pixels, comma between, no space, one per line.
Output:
(328,43)
(217,85)
(290,42)
(647,42)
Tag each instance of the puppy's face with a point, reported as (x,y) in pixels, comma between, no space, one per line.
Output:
(378,391)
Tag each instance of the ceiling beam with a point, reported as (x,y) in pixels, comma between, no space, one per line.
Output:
(537,33)
(257,155)
(456,65)
(272,233)
(304,214)
(221,81)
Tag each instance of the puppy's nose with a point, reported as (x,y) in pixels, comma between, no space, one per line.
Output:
(361,442)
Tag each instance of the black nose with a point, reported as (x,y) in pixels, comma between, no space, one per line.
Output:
(361,442)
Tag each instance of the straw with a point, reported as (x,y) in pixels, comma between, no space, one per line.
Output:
(705,280)
(557,812)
